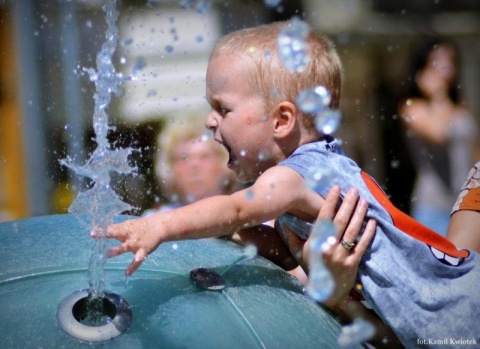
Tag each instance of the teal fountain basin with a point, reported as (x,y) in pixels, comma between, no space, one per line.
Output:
(44,260)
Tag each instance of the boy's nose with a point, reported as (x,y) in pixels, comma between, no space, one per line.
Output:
(211,122)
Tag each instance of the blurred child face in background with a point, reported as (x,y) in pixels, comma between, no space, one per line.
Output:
(198,170)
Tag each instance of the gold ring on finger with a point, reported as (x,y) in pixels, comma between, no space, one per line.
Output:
(347,245)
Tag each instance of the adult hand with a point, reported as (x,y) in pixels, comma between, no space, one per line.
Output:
(343,262)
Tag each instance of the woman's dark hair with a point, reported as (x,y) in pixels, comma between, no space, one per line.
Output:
(419,61)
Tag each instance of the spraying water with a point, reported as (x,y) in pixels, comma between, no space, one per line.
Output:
(98,205)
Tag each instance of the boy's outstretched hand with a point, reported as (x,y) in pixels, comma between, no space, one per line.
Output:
(136,236)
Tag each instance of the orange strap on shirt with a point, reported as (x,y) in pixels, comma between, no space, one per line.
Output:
(410,226)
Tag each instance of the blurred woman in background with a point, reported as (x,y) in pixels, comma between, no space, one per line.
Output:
(442,135)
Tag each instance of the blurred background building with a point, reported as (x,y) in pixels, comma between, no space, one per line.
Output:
(46,97)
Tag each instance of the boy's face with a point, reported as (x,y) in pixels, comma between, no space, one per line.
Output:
(238,119)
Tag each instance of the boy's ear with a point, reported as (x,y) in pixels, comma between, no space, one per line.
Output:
(284,118)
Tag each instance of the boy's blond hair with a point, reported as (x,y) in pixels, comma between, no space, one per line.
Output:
(258,48)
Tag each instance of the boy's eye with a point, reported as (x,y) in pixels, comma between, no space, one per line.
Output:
(224,111)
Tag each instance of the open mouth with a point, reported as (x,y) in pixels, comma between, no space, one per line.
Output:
(229,152)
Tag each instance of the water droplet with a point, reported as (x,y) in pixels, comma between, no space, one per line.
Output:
(201,6)
(320,281)
(169,48)
(140,63)
(127,42)
(328,121)
(272,3)
(262,155)
(206,136)
(318,177)
(249,194)
(395,163)
(356,333)
(292,46)
(313,100)
(199,39)
(151,93)
(250,251)
(243,152)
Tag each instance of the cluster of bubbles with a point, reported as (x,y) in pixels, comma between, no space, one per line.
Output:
(315,101)
(320,284)
(294,56)
(292,47)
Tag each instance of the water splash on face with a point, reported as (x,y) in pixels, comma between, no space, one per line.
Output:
(292,46)
(97,206)
(320,284)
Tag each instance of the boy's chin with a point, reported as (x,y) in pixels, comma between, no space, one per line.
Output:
(246,177)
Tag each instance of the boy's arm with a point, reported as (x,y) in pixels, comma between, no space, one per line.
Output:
(278,190)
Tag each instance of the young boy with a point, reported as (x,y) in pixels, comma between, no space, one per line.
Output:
(408,279)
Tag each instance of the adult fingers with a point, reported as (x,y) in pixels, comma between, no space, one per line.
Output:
(344,214)
(356,222)
(365,239)
(327,211)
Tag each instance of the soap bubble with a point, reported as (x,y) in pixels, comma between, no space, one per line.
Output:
(292,46)
(328,121)
(313,100)
(318,177)
(320,284)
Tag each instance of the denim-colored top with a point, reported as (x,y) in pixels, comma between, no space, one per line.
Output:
(418,290)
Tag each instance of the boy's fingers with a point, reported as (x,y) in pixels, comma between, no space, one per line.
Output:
(117,250)
(140,256)
(327,210)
